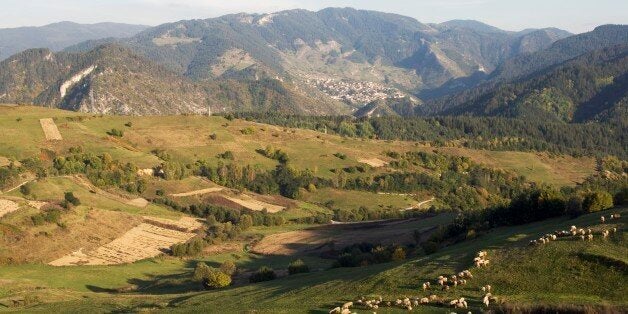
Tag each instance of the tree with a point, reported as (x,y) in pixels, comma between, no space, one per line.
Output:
(596,201)
(25,189)
(246,222)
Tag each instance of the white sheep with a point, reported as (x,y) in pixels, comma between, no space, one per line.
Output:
(347,305)
(590,237)
(424,301)
(573,228)
(335,310)
(345,311)
(582,237)
(602,219)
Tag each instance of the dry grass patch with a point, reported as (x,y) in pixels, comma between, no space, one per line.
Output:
(50,129)
(197,192)
(7,206)
(150,238)
(373,162)
(253,204)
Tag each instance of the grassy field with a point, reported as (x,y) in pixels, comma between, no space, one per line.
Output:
(187,138)
(562,272)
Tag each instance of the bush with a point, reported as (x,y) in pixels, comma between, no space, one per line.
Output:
(115,132)
(297,267)
(210,277)
(596,201)
(226,155)
(129,124)
(430,247)
(264,273)
(228,268)
(216,279)
(25,189)
(70,198)
(398,254)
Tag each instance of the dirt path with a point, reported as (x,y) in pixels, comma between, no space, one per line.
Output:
(418,206)
(50,129)
(197,192)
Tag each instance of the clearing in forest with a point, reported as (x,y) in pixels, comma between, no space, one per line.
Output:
(50,129)
(152,237)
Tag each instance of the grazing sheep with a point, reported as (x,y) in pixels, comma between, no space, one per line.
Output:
(612,216)
(347,305)
(433,297)
(425,287)
(445,288)
(590,237)
(467,273)
(486,300)
(345,311)
(375,307)
(589,231)
(582,237)
(424,301)
(602,219)
(605,233)
(335,310)
(614,230)
(582,232)
(573,228)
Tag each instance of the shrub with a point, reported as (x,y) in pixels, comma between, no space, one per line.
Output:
(596,201)
(25,189)
(430,247)
(247,131)
(264,273)
(115,132)
(297,267)
(217,279)
(226,155)
(341,156)
(70,198)
(213,136)
(160,192)
(129,124)
(228,267)
(398,254)
(210,277)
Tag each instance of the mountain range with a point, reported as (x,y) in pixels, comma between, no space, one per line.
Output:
(334,61)
(58,36)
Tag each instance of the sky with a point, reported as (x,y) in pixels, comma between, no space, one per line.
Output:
(576,16)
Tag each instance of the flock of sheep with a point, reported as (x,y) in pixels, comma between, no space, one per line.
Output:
(575,232)
(444,283)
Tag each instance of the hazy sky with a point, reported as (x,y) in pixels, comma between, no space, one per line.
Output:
(573,15)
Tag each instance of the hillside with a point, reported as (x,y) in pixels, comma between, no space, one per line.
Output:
(528,63)
(113,80)
(589,87)
(112,199)
(60,35)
